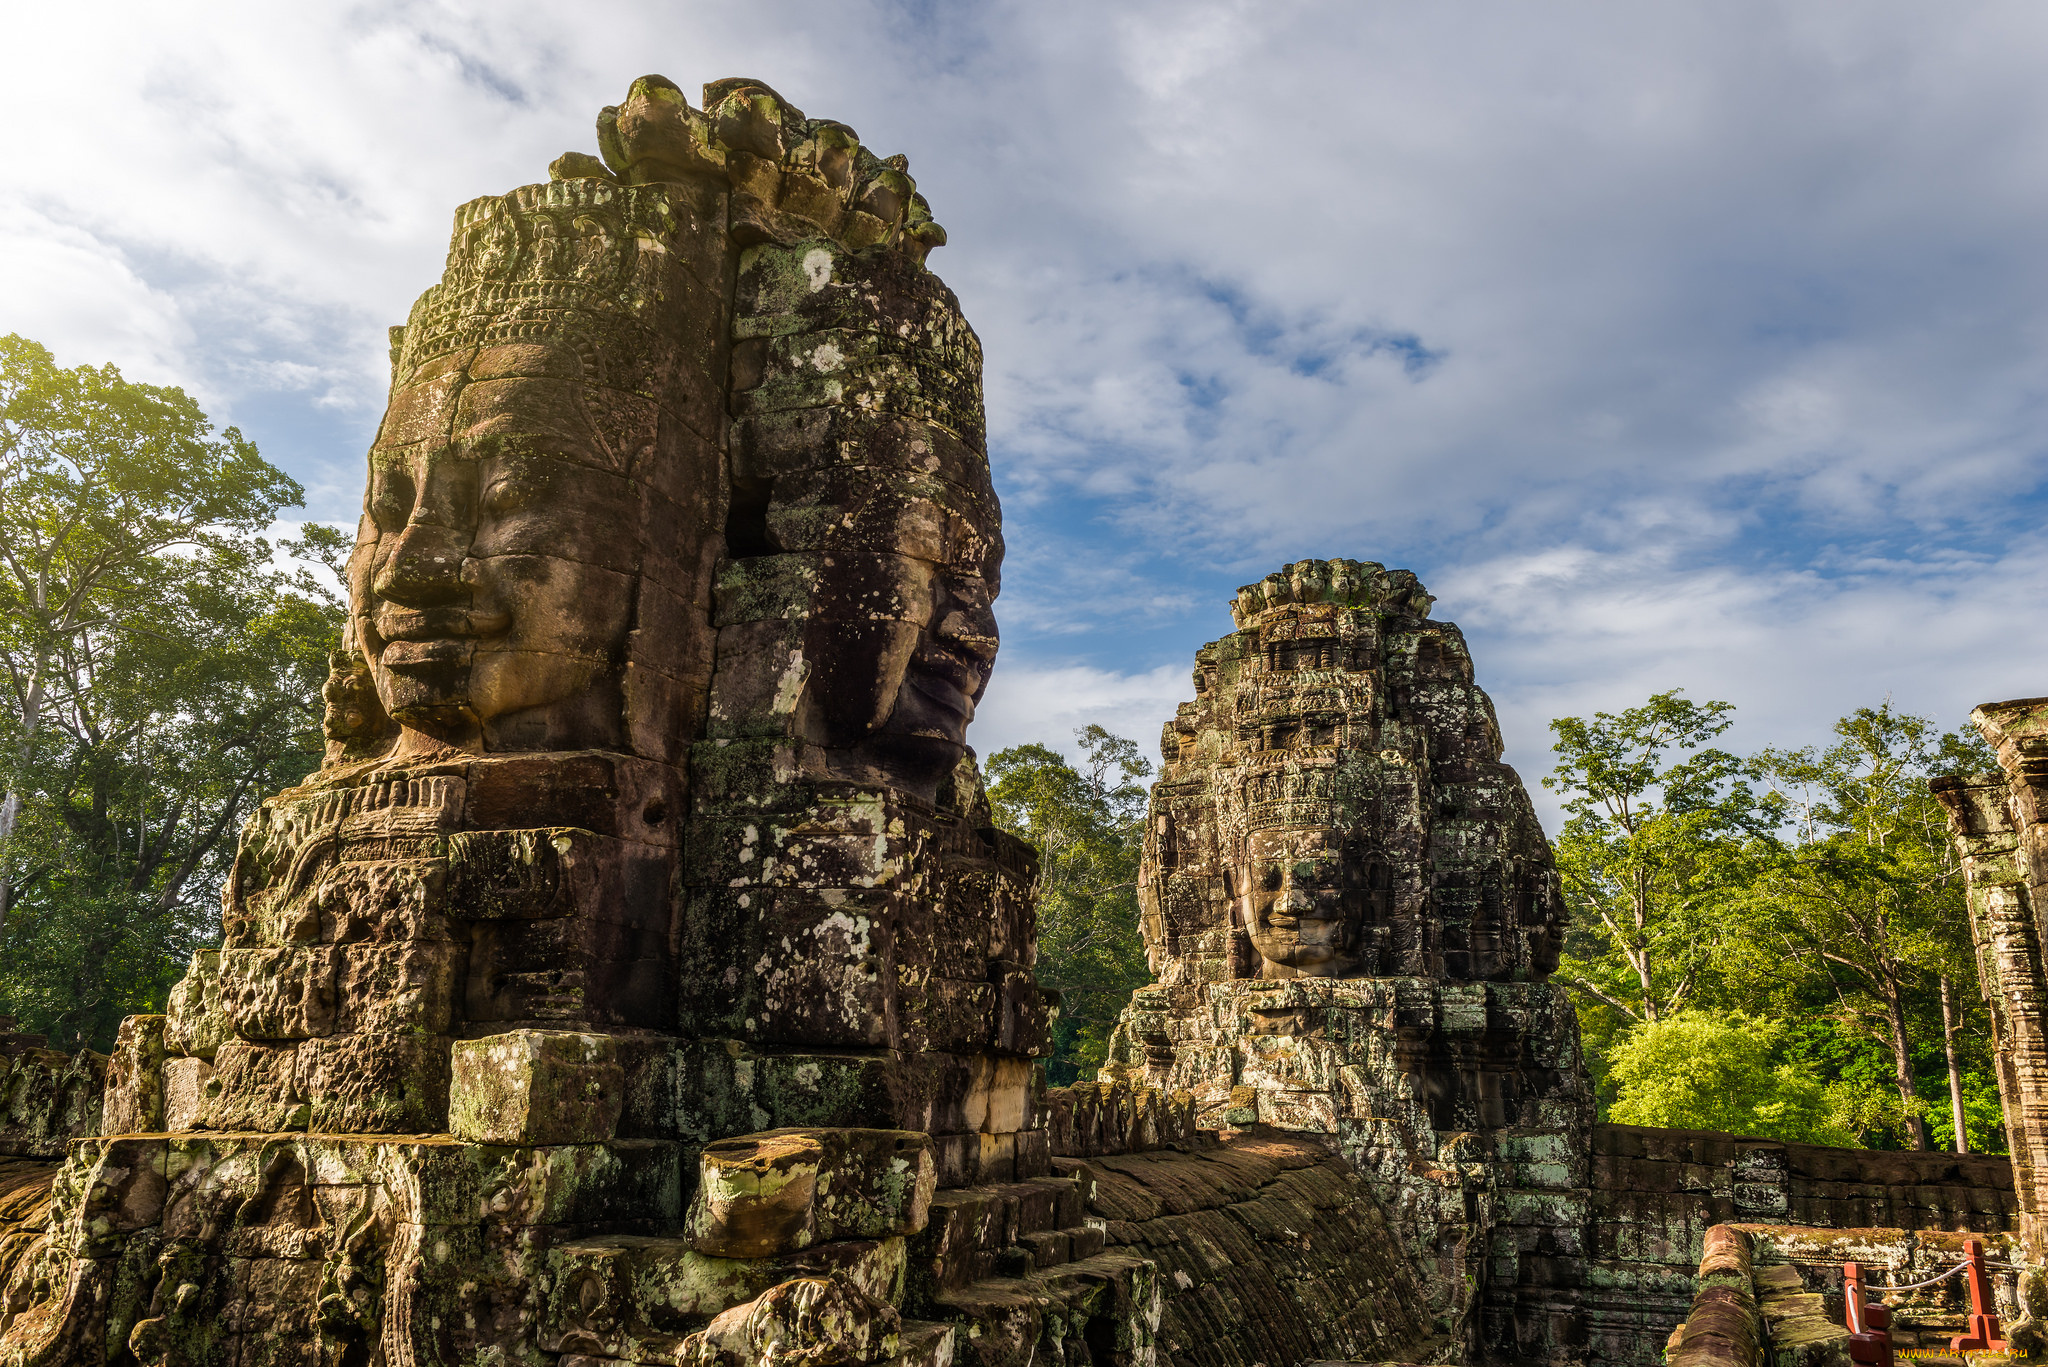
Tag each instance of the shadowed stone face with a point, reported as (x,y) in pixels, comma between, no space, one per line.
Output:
(493,580)
(903,652)
(1304,898)
(864,543)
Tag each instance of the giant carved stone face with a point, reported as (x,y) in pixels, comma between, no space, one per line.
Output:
(903,635)
(1303,901)
(492,585)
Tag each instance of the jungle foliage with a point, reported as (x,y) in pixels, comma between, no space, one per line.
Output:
(1779,943)
(160,672)
(1088,824)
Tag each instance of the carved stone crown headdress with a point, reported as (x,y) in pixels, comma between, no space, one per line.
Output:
(587,263)
(1346,583)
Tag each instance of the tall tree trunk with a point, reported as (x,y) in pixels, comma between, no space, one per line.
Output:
(1641,957)
(1955,1072)
(10,806)
(1902,1064)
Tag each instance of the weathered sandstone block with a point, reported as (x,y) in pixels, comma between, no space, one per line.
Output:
(135,1081)
(809,1318)
(536,1087)
(196,1025)
(185,1092)
(757,1195)
(786,1189)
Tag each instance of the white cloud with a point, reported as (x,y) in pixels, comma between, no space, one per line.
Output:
(1696,343)
(1792,649)
(1046,704)
(69,289)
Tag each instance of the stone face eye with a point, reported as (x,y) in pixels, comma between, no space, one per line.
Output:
(509,493)
(391,500)
(1271,879)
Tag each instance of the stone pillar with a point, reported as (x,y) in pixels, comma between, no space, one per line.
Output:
(1997,821)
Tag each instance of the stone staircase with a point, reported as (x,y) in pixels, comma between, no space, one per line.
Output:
(796,1234)
(1026,1277)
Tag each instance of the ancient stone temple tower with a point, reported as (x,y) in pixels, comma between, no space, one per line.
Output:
(646,818)
(1351,911)
(1997,823)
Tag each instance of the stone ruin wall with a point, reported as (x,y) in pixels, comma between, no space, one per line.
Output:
(1657,1193)
(1774,1293)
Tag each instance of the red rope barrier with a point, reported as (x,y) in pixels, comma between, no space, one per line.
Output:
(1983,1336)
(1870,1321)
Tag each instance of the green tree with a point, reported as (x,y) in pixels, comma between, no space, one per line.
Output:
(1696,1070)
(1088,827)
(1864,892)
(1649,850)
(162,673)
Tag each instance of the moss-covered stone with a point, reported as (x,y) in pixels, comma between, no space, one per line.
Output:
(536,1087)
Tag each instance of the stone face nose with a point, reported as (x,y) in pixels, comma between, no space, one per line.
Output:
(968,623)
(1294,899)
(425,567)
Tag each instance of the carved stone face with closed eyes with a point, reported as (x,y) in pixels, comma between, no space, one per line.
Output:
(1303,901)
(492,584)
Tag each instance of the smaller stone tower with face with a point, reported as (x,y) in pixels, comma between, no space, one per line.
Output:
(1351,911)
(1333,803)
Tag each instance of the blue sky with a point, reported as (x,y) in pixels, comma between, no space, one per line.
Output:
(1690,344)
